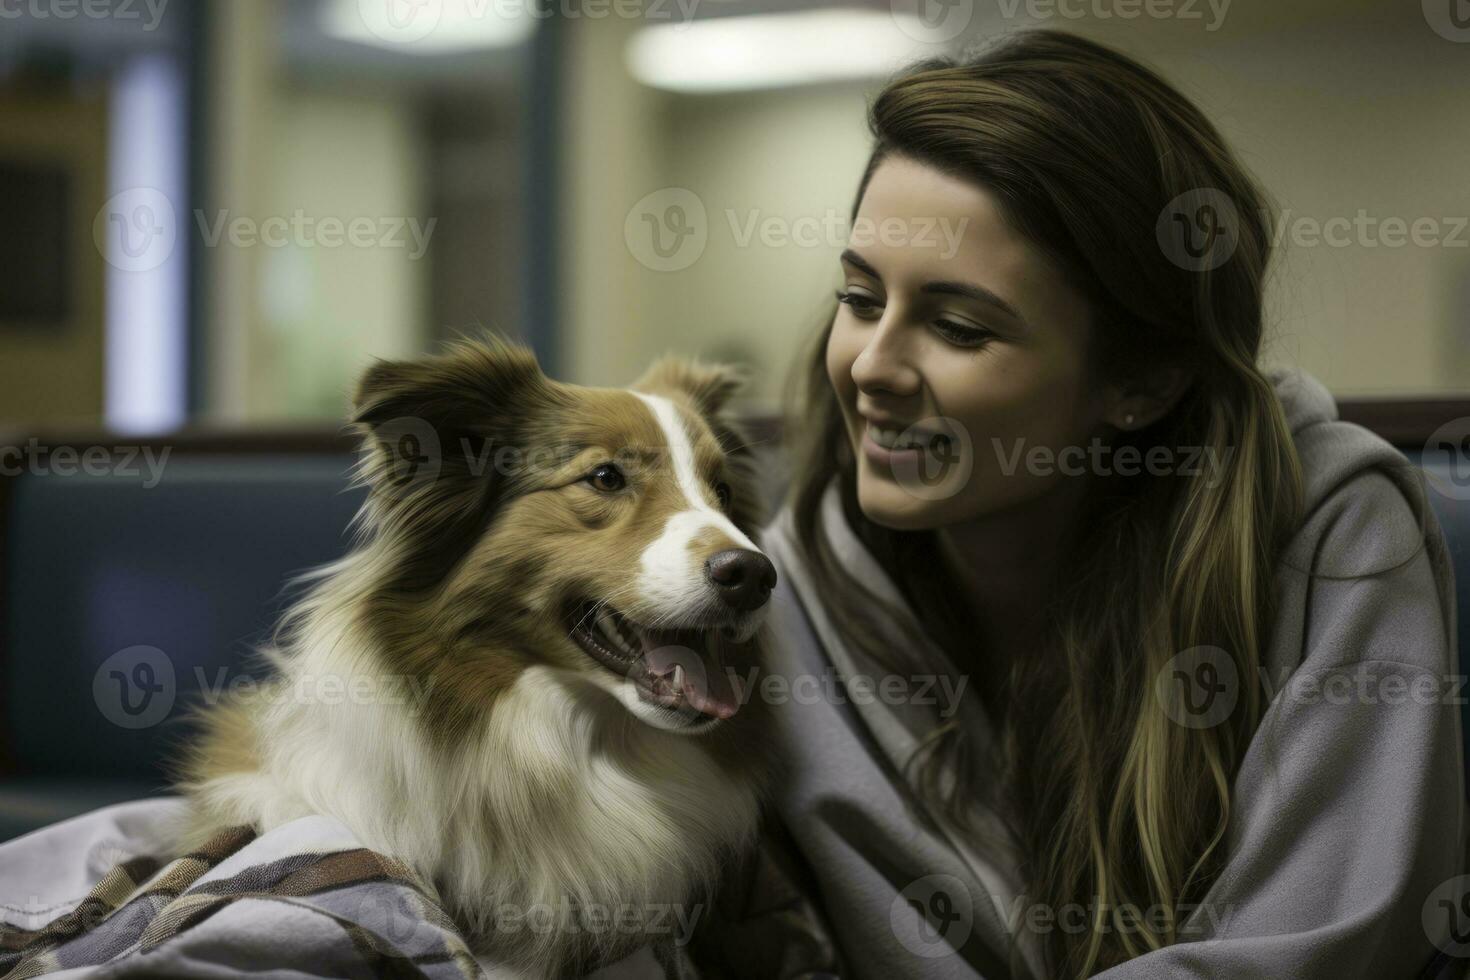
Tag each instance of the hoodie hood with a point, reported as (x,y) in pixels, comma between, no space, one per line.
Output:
(1334,453)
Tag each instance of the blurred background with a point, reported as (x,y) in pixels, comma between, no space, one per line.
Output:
(217,211)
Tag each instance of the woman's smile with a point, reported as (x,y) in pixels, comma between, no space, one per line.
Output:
(890,446)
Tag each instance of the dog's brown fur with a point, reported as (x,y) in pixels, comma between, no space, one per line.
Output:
(460,579)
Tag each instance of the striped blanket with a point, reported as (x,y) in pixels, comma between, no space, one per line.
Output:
(99,896)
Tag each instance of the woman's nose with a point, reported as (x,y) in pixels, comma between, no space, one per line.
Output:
(884,363)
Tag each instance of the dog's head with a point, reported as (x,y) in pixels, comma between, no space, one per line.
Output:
(517,521)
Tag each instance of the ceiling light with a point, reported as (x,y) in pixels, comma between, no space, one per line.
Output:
(429,27)
(724,54)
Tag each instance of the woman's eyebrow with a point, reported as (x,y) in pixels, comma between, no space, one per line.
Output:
(971,291)
(855,260)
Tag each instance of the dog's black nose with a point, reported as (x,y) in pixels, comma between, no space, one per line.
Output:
(744,578)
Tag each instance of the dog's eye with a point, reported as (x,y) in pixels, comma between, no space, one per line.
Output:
(607,478)
(722,492)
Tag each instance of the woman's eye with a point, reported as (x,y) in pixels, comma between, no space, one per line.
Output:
(722,493)
(961,334)
(607,478)
(863,306)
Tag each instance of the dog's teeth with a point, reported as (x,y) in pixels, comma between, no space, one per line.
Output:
(677,681)
(609,629)
(630,636)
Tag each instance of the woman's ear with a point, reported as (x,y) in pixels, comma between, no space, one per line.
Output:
(708,386)
(1145,399)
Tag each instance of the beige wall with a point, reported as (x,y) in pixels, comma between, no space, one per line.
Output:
(1365,115)
(614,152)
(777,175)
(238,106)
(1358,111)
(325,312)
(291,327)
(789,154)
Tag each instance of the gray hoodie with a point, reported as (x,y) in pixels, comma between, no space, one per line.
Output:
(1347,819)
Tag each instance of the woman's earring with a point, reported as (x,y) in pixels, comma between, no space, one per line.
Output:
(1128,421)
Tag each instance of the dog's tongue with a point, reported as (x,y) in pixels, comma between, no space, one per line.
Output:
(705,686)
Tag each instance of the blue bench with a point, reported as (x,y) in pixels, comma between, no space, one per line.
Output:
(125,597)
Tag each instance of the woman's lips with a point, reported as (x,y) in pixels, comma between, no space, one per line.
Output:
(886,458)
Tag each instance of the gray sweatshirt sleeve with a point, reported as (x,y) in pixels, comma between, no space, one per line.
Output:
(1347,823)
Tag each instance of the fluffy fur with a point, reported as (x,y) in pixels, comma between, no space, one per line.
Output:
(484,747)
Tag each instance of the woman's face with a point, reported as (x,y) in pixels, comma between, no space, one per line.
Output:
(958,355)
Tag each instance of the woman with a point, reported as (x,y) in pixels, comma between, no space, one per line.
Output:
(1079,581)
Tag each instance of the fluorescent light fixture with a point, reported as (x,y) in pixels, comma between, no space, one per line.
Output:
(429,27)
(724,54)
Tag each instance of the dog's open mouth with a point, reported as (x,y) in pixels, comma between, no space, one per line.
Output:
(675,669)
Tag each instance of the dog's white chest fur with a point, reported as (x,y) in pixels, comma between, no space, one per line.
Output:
(564,804)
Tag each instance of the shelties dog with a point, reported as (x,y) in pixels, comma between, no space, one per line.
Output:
(568,574)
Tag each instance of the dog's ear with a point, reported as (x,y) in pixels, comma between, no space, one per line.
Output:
(430,429)
(470,382)
(708,386)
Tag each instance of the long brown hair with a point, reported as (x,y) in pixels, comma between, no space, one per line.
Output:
(1117,809)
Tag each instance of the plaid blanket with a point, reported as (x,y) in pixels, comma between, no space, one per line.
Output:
(302,900)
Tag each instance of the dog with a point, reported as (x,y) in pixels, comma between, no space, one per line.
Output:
(568,574)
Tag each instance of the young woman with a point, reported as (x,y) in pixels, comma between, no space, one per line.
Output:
(1107,652)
